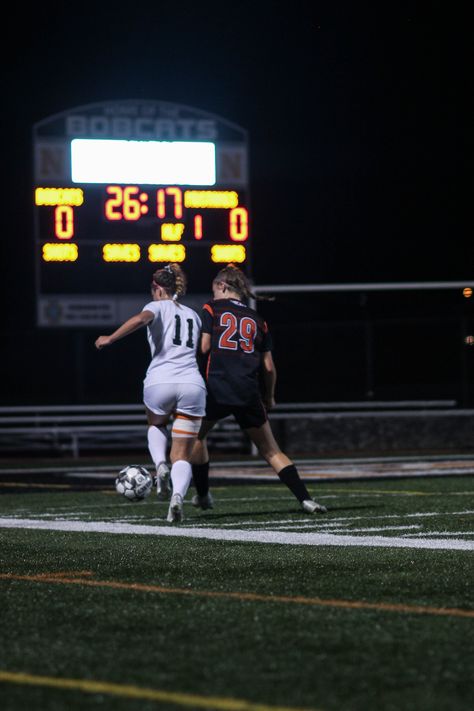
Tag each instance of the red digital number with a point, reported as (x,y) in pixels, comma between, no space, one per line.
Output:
(123,204)
(239,224)
(197,227)
(64,222)
(177,195)
(131,206)
(113,204)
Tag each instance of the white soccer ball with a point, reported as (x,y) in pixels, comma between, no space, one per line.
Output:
(134,482)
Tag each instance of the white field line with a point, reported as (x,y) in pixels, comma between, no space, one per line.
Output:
(278,537)
(465,512)
(324,529)
(322,524)
(335,520)
(442,533)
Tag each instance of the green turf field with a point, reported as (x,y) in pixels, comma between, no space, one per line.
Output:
(254,606)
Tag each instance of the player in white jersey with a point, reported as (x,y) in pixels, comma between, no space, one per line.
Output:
(173,385)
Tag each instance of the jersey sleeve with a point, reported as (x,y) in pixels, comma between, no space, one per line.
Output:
(207,318)
(153,306)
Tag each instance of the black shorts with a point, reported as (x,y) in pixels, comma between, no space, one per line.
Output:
(252,415)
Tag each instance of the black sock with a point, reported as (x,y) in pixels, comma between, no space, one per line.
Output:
(201,478)
(289,476)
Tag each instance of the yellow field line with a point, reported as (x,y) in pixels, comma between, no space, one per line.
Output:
(66,574)
(137,692)
(248,596)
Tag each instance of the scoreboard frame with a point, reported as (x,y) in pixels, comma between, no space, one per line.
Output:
(98,243)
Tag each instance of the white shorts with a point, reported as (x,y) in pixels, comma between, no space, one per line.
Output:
(186,398)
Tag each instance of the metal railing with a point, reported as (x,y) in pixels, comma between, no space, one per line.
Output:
(361,287)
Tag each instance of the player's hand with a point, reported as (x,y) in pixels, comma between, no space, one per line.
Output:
(102,341)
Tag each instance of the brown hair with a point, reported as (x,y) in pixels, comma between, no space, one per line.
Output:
(236,280)
(172,279)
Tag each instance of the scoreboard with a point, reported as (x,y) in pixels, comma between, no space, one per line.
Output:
(122,187)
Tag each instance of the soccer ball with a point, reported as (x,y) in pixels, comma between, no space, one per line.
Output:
(134,482)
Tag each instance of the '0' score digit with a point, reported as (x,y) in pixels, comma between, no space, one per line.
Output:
(64,222)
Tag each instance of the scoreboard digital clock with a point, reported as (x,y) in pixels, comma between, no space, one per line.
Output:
(121,187)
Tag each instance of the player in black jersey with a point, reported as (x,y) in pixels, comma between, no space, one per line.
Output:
(237,345)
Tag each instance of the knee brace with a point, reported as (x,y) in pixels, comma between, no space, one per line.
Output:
(184,426)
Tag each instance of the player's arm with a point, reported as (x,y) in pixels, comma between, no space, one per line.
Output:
(269,377)
(207,319)
(131,325)
(205,345)
(202,355)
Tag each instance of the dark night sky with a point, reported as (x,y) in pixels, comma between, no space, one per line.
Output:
(358,123)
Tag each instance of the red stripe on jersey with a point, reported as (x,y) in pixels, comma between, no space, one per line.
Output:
(208,308)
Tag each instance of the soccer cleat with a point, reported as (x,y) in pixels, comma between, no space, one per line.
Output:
(203,502)
(163,486)
(175,511)
(311,506)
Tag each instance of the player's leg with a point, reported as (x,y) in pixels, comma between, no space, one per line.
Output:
(200,464)
(200,457)
(262,437)
(189,411)
(183,435)
(159,401)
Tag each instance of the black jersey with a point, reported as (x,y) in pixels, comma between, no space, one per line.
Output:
(239,337)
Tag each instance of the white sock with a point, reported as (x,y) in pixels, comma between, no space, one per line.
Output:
(181,473)
(157,443)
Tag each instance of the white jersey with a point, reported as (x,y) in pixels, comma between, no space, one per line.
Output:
(173,337)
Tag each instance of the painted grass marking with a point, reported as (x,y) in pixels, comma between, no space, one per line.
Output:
(443,533)
(246,536)
(246,596)
(420,514)
(67,574)
(346,530)
(333,521)
(197,523)
(136,692)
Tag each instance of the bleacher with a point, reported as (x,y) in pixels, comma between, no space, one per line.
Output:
(79,429)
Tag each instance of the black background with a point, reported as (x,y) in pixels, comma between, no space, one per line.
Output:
(360,125)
